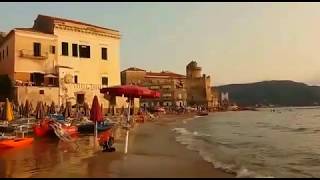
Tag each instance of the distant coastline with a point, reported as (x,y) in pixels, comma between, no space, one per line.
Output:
(273,94)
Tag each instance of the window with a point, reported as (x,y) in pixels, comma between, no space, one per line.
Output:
(104,53)
(84,51)
(65,49)
(37,78)
(41,91)
(53,49)
(105,81)
(51,81)
(76,79)
(75,50)
(3,54)
(36,49)
(0,56)
(7,51)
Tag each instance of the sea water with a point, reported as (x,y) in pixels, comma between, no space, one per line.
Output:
(264,143)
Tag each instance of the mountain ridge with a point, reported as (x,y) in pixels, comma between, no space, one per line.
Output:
(275,92)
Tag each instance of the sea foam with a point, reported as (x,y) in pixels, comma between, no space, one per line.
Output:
(194,143)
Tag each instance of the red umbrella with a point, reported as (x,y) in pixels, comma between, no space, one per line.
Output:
(152,95)
(131,91)
(95,112)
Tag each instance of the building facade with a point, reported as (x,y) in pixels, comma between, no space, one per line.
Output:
(61,60)
(170,85)
(199,90)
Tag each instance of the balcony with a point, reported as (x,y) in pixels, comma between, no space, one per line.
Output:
(24,53)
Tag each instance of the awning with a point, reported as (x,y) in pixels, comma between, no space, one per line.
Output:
(67,67)
(50,76)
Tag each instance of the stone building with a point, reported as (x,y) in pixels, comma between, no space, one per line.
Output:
(61,60)
(198,86)
(170,85)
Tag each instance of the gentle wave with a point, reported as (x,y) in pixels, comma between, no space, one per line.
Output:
(196,144)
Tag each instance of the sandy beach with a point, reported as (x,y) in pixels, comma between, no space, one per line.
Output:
(153,152)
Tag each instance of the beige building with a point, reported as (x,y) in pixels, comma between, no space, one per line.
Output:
(61,60)
(170,85)
(199,88)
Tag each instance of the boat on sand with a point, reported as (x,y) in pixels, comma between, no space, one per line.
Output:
(15,142)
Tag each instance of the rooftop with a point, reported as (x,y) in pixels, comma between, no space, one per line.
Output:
(133,69)
(72,21)
(167,74)
(32,30)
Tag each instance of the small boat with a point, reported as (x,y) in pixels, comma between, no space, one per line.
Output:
(89,127)
(44,128)
(203,113)
(16,142)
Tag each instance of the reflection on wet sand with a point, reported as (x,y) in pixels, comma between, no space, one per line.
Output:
(43,155)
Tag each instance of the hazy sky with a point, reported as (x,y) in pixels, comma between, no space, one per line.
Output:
(233,42)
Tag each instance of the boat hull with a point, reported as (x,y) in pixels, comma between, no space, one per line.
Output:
(49,132)
(13,143)
(90,128)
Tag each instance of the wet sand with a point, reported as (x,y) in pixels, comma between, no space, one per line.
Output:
(152,152)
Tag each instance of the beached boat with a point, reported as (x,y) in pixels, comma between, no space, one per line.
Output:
(16,142)
(44,129)
(89,127)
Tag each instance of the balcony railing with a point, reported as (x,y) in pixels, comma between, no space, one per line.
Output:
(28,83)
(86,86)
(30,54)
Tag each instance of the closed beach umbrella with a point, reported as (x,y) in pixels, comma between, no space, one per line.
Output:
(86,109)
(67,112)
(95,114)
(37,110)
(21,110)
(45,109)
(27,109)
(8,111)
(61,111)
(40,110)
(1,112)
(48,110)
(52,108)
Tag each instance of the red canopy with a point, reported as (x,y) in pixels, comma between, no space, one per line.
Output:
(152,94)
(130,91)
(95,112)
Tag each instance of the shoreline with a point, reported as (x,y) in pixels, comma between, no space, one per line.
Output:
(153,152)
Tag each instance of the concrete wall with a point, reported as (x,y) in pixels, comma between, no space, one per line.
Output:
(130,77)
(33,95)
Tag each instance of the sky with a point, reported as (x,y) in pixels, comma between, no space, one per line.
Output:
(232,42)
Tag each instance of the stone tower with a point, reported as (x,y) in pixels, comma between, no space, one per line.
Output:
(193,71)
(198,86)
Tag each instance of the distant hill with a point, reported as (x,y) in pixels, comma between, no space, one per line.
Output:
(279,93)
